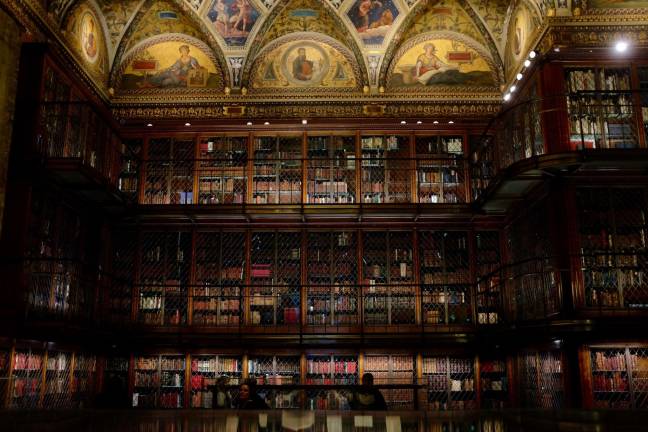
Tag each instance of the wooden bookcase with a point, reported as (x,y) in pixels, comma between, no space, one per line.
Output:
(385,168)
(488,259)
(277,176)
(222,169)
(277,370)
(439,169)
(159,381)
(541,379)
(393,369)
(26,379)
(169,171)
(451,383)
(59,377)
(206,369)
(494,382)
(331,165)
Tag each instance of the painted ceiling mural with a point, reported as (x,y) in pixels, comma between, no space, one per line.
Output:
(420,46)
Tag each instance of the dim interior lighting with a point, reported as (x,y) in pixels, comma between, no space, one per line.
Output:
(527,63)
(419,122)
(450,122)
(304,121)
(519,76)
(187,124)
(266,123)
(435,122)
(507,96)
(149,125)
(532,54)
(557,49)
(249,123)
(403,122)
(513,88)
(621,46)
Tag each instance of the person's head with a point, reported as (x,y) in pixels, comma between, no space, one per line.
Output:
(429,48)
(247,389)
(184,49)
(301,52)
(367,380)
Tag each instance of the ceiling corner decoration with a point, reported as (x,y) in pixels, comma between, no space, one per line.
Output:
(522,29)
(373,20)
(118,15)
(233,20)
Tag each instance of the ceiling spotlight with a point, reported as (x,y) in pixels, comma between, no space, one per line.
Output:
(266,123)
(450,122)
(621,46)
(304,121)
(187,124)
(249,123)
(513,88)
(556,49)
(532,54)
(419,122)
(149,125)
(435,122)
(519,76)
(527,63)
(403,122)
(507,97)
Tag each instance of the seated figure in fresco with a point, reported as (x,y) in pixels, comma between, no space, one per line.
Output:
(244,15)
(176,74)
(302,67)
(428,64)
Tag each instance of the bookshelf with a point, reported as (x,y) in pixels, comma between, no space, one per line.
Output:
(205,370)
(277,170)
(332,278)
(329,369)
(57,380)
(146,381)
(619,377)
(119,292)
(128,180)
(172,377)
(385,169)
(541,379)
(26,379)
(393,369)
(494,383)
(331,169)
(115,378)
(276,278)
(164,277)
(612,231)
(488,261)
(83,379)
(222,177)
(445,277)
(439,170)
(451,383)
(169,171)
(600,107)
(389,291)
(5,366)
(219,278)
(642,73)
(276,370)
(159,381)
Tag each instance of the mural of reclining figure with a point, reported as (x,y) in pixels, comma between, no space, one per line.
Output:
(176,74)
(428,65)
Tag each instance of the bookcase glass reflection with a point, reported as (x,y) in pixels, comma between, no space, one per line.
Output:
(119,292)
(494,383)
(83,378)
(619,377)
(440,172)
(450,383)
(600,107)
(277,170)
(331,169)
(5,360)
(219,278)
(643,88)
(159,381)
(276,370)
(169,171)
(326,370)
(541,379)
(393,369)
(389,292)
(115,377)
(612,228)
(58,379)
(275,277)
(26,379)
(488,262)
(222,177)
(386,169)
(206,370)
(332,278)
(164,277)
(131,153)
(445,277)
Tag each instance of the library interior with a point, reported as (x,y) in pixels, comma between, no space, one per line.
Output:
(208,203)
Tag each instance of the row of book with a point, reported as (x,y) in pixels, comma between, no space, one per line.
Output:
(216,365)
(326,366)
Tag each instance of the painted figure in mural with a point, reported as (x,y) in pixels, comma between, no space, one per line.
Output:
(222,17)
(176,74)
(89,39)
(302,67)
(244,14)
(364,13)
(428,64)
(517,37)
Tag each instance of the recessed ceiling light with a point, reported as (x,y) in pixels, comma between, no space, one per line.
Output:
(621,46)
(150,125)
(187,124)
(266,123)
(403,122)
(450,122)
(532,54)
(507,96)
(519,76)
(435,122)
(557,49)
(527,63)
(419,122)
(304,121)
(249,123)
(513,88)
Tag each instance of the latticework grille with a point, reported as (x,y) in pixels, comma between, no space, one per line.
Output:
(58,379)
(488,260)
(146,381)
(172,376)
(206,370)
(610,379)
(26,379)
(331,170)
(450,383)
(385,175)
(393,369)
(115,382)
(120,284)
(276,370)
(222,178)
(83,383)
(639,364)
(277,170)
(541,379)
(5,359)
(128,182)
(494,383)
(169,172)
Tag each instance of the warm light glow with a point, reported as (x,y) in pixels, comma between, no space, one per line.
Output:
(304,121)
(435,122)
(621,46)
(557,49)
(527,63)
(450,122)
(266,123)
(532,55)
(513,88)
(187,124)
(249,123)
(419,122)
(150,125)
(519,76)
(507,96)
(403,122)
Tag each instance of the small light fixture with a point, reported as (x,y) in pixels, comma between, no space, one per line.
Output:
(507,97)
(519,76)
(249,123)
(266,123)
(403,122)
(556,49)
(532,54)
(304,121)
(436,122)
(450,122)
(513,88)
(621,46)
(149,125)
(187,124)
(527,63)
(419,122)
